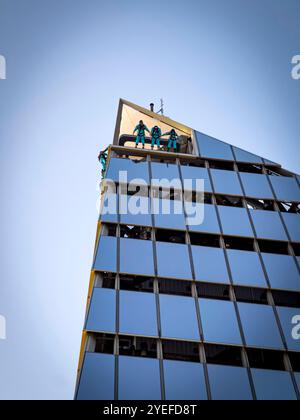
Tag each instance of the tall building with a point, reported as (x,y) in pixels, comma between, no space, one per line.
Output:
(185,311)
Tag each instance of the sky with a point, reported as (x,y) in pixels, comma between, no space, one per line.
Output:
(223,68)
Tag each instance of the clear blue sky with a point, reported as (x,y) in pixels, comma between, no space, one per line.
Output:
(222,67)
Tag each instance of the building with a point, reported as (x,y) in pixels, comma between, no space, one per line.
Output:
(195,312)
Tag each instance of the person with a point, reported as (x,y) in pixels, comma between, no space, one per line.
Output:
(103,159)
(141,128)
(172,139)
(155,136)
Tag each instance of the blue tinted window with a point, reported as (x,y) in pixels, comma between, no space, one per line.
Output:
(102,312)
(272,385)
(134,169)
(170,214)
(136,257)
(138,313)
(109,209)
(268,225)
(260,326)
(256,186)
(189,172)
(184,381)
(229,383)
(210,223)
(129,204)
(282,271)
(97,377)
(292,222)
(210,264)
(219,322)
(173,261)
(178,317)
(288,323)
(164,171)
(226,182)
(298,379)
(286,189)
(247,157)
(246,268)
(139,379)
(213,148)
(235,221)
(106,257)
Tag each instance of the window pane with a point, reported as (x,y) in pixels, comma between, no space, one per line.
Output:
(139,379)
(131,205)
(219,322)
(212,148)
(106,257)
(109,209)
(102,312)
(138,313)
(273,385)
(229,383)
(97,377)
(256,186)
(226,182)
(282,271)
(136,257)
(184,381)
(268,225)
(171,220)
(167,171)
(286,316)
(189,172)
(286,189)
(298,379)
(246,268)
(135,170)
(260,326)
(210,264)
(210,223)
(235,221)
(292,222)
(178,317)
(173,261)
(247,157)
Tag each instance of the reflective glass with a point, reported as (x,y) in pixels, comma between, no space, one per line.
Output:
(226,182)
(288,316)
(219,322)
(106,256)
(247,157)
(97,377)
(256,186)
(132,206)
(235,221)
(292,222)
(134,169)
(178,317)
(210,264)
(139,379)
(138,313)
(212,148)
(286,189)
(189,172)
(102,312)
(260,326)
(109,209)
(167,171)
(210,223)
(246,268)
(268,225)
(273,385)
(171,219)
(282,271)
(229,383)
(298,379)
(184,381)
(173,261)
(136,257)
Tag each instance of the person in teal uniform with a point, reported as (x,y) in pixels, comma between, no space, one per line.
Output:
(155,136)
(103,159)
(173,137)
(141,128)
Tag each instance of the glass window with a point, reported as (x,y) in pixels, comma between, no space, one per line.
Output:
(298,379)
(138,313)
(268,225)
(292,222)
(247,157)
(256,186)
(178,317)
(135,169)
(282,271)
(235,221)
(109,208)
(139,378)
(260,326)
(226,182)
(167,171)
(219,322)
(97,377)
(286,316)
(192,173)
(136,257)
(102,312)
(273,385)
(286,189)
(210,223)
(246,268)
(173,261)
(184,381)
(229,383)
(212,148)
(106,257)
(167,216)
(133,205)
(210,264)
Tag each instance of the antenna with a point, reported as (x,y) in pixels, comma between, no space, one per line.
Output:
(161,111)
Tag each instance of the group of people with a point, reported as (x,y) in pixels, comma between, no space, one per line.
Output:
(156,135)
